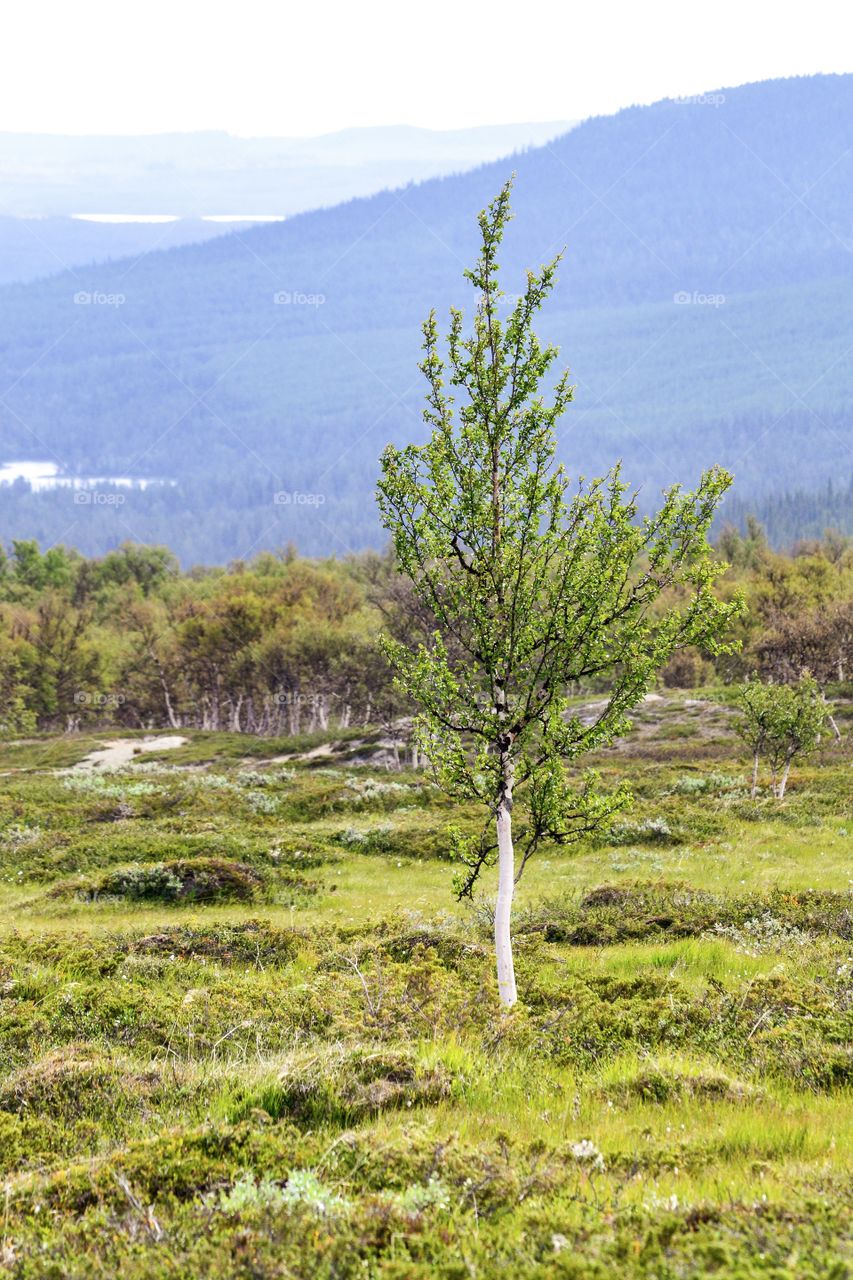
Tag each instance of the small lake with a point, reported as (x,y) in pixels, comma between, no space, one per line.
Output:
(48,475)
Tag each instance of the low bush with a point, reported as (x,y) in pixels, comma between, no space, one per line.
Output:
(639,910)
(648,831)
(186,880)
(250,942)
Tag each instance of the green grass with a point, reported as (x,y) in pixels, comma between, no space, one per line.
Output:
(301,1069)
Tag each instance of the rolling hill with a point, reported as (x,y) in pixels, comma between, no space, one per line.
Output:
(704,308)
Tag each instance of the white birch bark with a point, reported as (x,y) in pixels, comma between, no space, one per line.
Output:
(167,697)
(506,885)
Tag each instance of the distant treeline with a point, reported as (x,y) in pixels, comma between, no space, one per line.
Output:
(237,506)
(283,645)
(797,513)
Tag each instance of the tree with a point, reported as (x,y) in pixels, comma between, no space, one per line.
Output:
(530,587)
(756,703)
(743,550)
(150,677)
(820,641)
(781,721)
(15,714)
(64,671)
(149,567)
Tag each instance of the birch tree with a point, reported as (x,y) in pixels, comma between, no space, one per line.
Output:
(533,584)
(755,723)
(781,722)
(802,718)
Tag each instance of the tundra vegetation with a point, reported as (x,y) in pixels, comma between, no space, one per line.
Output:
(246,1032)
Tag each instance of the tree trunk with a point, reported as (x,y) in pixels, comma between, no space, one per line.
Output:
(167,697)
(754,790)
(780,790)
(506,885)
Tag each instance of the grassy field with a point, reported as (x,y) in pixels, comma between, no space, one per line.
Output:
(246,1031)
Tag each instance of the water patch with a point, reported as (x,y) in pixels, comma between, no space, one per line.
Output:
(48,475)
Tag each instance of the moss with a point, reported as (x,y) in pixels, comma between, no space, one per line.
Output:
(337,1085)
(661,1084)
(73,1081)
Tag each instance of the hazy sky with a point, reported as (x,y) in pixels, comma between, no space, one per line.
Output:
(291,67)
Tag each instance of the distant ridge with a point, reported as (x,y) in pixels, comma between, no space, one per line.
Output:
(49,179)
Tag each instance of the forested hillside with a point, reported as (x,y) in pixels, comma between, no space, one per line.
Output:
(799,513)
(704,308)
(43,246)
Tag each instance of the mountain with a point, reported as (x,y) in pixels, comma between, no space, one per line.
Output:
(704,308)
(200,178)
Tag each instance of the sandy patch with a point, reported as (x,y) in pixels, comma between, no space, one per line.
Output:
(119,752)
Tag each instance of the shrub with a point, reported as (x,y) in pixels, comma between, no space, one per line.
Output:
(649,831)
(261,802)
(106,786)
(762,934)
(712,784)
(620,912)
(378,839)
(186,880)
(251,942)
(73,1081)
(18,836)
(687,669)
(656,1083)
